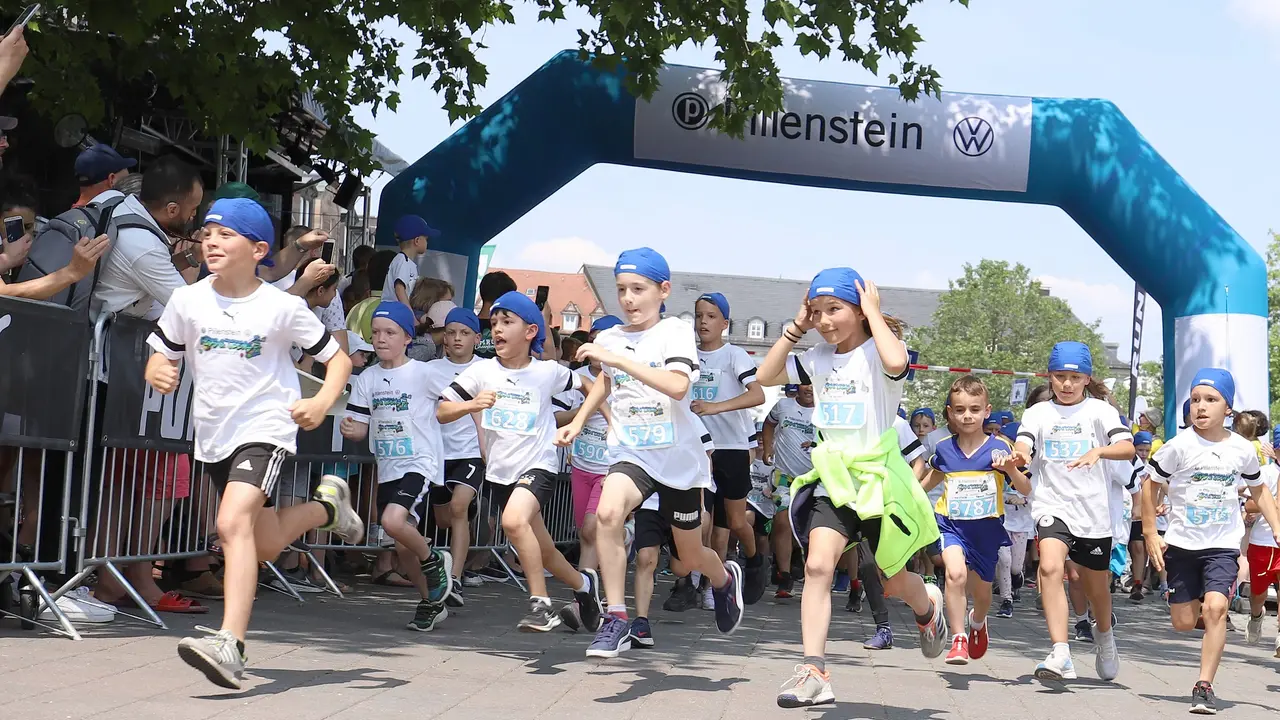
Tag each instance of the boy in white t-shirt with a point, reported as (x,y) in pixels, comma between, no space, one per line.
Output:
(394,398)
(413,233)
(236,332)
(788,440)
(1206,468)
(1263,555)
(513,392)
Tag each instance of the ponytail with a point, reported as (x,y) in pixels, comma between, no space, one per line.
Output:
(1100,391)
(896,326)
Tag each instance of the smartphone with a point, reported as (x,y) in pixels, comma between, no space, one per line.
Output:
(24,17)
(14,228)
(540,299)
(326,253)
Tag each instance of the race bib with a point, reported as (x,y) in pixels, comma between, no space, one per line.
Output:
(972,497)
(514,411)
(839,406)
(1070,444)
(591,446)
(1211,503)
(707,387)
(391,439)
(645,424)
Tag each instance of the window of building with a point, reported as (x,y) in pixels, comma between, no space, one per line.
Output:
(569,321)
(755,329)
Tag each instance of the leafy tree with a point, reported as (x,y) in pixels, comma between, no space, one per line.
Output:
(997,317)
(235,65)
(1273,321)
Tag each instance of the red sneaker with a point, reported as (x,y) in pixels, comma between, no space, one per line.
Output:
(978,641)
(959,654)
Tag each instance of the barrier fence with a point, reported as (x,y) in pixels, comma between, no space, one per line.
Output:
(105,485)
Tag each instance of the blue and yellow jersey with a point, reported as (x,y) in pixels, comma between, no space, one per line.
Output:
(972,488)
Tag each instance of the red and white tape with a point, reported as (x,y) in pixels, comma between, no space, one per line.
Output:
(975,371)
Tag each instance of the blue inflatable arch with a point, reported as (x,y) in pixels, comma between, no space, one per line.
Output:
(1081,155)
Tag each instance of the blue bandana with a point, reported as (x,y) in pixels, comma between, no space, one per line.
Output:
(838,283)
(463,316)
(1142,437)
(397,312)
(605,323)
(927,412)
(1219,380)
(245,217)
(644,262)
(721,303)
(519,304)
(1071,357)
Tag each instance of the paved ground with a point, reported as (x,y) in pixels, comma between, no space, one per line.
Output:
(351,659)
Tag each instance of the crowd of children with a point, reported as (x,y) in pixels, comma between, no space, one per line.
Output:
(657,422)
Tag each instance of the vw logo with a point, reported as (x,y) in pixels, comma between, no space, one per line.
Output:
(690,111)
(973,136)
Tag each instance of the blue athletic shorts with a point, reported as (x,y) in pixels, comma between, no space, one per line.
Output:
(980,540)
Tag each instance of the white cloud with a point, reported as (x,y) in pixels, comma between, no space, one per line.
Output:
(1257,13)
(1113,304)
(565,254)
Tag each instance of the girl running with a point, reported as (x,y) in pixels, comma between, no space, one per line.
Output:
(1205,470)
(859,474)
(650,365)
(1067,437)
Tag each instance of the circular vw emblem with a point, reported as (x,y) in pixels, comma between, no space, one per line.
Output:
(690,111)
(974,136)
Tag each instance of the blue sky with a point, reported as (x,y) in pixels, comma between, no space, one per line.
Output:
(1195,77)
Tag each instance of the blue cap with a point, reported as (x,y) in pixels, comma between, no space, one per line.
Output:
(721,303)
(791,388)
(409,227)
(992,418)
(98,161)
(605,323)
(1142,437)
(519,304)
(1275,436)
(645,262)
(927,412)
(244,216)
(1186,407)
(463,316)
(397,312)
(838,283)
(1010,430)
(902,413)
(1071,356)
(1006,416)
(1219,380)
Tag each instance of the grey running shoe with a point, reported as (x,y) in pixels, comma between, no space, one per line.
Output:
(933,637)
(542,617)
(216,655)
(427,616)
(807,687)
(1203,701)
(347,525)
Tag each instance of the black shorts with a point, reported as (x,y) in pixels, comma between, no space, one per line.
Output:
(408,492)
(459,472)
(542,483)
(844,521)
(1088,553)
(653,530)
(1135,531)
(682,508)
(731,471)
(1195,573)
(257,464)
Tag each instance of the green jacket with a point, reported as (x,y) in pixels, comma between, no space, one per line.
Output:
(877,483)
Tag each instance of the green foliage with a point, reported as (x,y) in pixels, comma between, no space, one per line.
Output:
(236,64)
(995,317)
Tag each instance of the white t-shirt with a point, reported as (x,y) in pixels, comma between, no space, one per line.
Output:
(1205,479)
(724,374)
(1261,533)
(1017,517)
(1057,435)
(1124,478)
(931,442)
(650,429)
(793,427)
(238,350)
(331,315)
(911,447)
(520,428)
(399,405)
(761,482)
(855,401)
(704,465)
(461,441)
(138,271)
(590,450)
(403,270)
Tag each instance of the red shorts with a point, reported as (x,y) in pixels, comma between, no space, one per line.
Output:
(1264,567)
(154,474)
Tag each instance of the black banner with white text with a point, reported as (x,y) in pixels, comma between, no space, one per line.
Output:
(44,366)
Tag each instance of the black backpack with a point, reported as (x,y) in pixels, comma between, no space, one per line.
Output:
(52,249)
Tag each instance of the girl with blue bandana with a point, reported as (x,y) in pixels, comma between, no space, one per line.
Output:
(650,365)
(859,475)
(1071,505)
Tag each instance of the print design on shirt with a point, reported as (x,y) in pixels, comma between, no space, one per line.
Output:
(840,404)
(213,340)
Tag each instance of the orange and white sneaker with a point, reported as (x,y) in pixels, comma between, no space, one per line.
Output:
(959,654)
(979,639)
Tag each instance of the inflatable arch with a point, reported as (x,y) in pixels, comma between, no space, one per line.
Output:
(1081,155)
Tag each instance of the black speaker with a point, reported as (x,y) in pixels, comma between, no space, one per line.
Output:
(346,192)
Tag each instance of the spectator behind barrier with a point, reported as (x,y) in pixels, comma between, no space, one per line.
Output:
(98,169)
(360,258)
(360,318)
(16,200)
(492,286)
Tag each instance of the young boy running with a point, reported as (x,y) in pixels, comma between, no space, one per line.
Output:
(723,394)
(788,440)
(975,469)
(393,396)
(1205,468)
(513,393)
(1263,555)
(464,472)
(235,333)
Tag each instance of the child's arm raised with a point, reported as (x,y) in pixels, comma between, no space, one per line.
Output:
(893,354)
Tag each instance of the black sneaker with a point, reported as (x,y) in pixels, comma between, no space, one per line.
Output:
(1084,631)
(786,587)
(1006,609)
(684,596)
(454,599)
(728,599)
(855,601)
(589,610)
(1203,701)
(1136,595)
(493,573)
(753,586)
(542,617)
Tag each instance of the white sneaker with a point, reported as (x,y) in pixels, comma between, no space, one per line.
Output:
(708,599)
(80,607)
(1278,646)
(1253,631)
(1106,656)
(1058,666)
